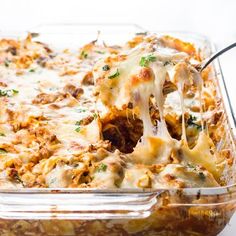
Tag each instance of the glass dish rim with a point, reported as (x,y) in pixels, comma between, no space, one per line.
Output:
(222,190)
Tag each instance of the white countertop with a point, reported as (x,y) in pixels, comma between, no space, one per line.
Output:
(215,19)
(230,229)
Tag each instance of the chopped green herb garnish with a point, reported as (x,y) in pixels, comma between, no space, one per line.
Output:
(189,165)
(95,115)
(84,54)
(192,118)
(191,122)
(32,70)
(78,122)
(15,176)
(100,52)
(2,134)
(169,63)
(15,91)
(202,176)
(106,68)
(80,110)
(166,63)
(144,61)
(116,74)
(102,167)
(3,93)
(2,151)
(78,129)
(18,179)
(8,92)
(6,62)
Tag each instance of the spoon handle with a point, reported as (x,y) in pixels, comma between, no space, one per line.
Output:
(215,55)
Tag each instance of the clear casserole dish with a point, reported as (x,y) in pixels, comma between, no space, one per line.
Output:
(63,211)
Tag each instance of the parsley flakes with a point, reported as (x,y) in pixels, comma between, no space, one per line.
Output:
(8,92)
(116,74)
(99,52)
(84,54)
(78,129)
(196,169)
(166,63)
(144,61)
(78,123)
(192,122)
(201,176)
(106,68)
(80,110)
(191,166)
(102,167)
(6,63)
(2,151)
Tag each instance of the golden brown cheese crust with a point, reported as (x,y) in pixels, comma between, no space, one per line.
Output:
(65,114)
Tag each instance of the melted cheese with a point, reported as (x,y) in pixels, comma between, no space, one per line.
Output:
(52,116)
(157,147)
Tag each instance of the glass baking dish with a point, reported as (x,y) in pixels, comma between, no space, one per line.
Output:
(190,211)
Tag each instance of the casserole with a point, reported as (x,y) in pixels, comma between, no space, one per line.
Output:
(163,211)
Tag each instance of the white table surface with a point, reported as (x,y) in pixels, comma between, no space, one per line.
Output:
(213,18)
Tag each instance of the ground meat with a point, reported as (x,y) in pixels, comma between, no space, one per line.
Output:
(76,92)
(42,61)
(3,84)
(44,152)
(123,133)
(86,120)
(12,50)
(44,135)
(88,79)
(45,98)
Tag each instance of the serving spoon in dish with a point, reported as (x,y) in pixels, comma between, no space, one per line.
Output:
(208,60)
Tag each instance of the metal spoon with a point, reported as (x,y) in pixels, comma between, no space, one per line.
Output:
(206,62)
